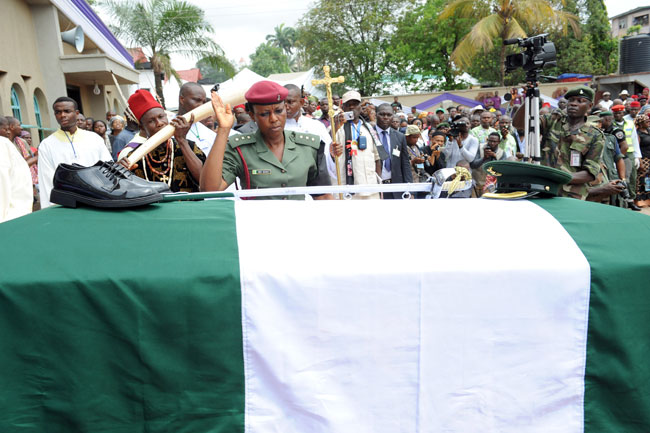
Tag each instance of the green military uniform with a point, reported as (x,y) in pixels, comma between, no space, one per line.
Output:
(560,143)
(630,167)
(302,162)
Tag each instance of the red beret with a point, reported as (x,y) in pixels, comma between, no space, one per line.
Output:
(242,106)
(141,102)
(635,104)
(266,92)
(634,96)
(618,107)
(546,104)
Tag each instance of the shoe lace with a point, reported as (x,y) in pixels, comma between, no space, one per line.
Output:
(113,171)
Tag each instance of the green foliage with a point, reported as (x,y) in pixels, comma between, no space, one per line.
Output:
(604,46)
(162,28)
(496,21)
(213,73)
(633,30)
(422,47)
(268,59)
(352,37)
(486,68)
(593,51)
(284,38)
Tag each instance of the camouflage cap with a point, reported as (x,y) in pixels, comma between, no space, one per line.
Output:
(412,130)
(521,180)
(582,91)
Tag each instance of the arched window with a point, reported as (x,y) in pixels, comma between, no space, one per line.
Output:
(37,113)
(15,104)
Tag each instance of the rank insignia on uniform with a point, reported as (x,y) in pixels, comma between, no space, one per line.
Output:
(491,172)
(260,171)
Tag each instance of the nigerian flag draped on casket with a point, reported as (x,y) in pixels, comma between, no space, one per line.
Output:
(376,316)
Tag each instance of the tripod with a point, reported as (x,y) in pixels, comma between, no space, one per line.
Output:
(531,125)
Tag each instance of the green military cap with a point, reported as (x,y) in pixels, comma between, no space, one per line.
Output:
(440,110)
(582,91)
(593,118)
(522,180)
(444,125)
(606,113)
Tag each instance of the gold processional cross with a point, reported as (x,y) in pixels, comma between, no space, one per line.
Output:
(328,86)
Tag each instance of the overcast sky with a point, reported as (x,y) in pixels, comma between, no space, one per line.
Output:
(241,25)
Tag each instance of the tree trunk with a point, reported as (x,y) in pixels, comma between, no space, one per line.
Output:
(503,64)
(157,73)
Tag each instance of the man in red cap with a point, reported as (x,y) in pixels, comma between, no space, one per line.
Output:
(271,157)
(177,162)
(632,154)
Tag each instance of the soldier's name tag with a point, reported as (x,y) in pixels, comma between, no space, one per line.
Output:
(575,158)
(396,152)
(260,171)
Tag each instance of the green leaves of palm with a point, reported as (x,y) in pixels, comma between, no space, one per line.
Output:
(165,27)
(504,19)
(284,38)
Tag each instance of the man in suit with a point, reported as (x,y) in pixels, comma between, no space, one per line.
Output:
(396,168)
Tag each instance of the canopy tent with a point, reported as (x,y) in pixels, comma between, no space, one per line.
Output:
(242,80)
(429,104)
(246,78)
(299,79)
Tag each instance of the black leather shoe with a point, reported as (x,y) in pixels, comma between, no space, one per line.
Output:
(158,186)
(633,207)
(102,185)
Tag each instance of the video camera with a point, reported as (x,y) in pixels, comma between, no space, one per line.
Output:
(538,53)
(455,128)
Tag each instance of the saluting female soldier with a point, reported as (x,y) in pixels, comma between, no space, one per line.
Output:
(271,157)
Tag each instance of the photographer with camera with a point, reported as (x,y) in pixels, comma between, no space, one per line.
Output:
(416,156)
(490,151)
(434,160)
(509,139)
(461,145)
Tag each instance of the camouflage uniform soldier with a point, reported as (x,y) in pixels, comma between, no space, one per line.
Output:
(570,143)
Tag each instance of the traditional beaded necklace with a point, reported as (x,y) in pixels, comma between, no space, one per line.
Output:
(169,159)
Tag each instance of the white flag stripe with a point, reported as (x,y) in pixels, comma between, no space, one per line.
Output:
(416,316)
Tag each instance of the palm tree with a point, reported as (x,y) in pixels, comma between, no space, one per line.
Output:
(284,38)
(503,19)
(163,28)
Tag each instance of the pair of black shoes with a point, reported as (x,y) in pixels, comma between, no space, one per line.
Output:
(104,185)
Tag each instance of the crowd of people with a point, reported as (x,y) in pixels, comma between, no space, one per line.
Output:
(282,137)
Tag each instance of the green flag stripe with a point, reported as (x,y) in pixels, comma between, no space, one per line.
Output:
(135,329)
(617,377)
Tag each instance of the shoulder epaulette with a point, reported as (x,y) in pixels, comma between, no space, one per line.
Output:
(305,138)
(239,139)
